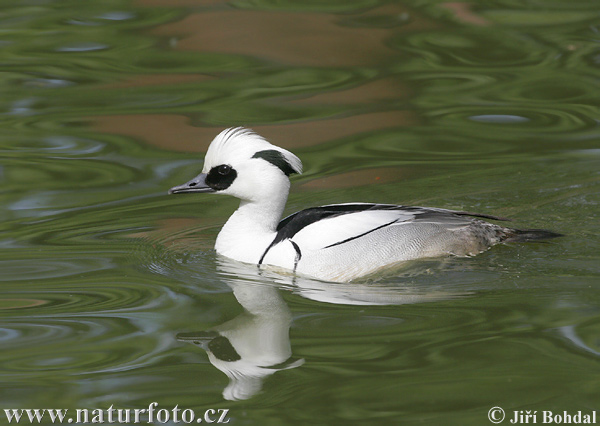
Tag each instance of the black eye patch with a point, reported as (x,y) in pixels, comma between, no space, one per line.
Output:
(222,349)
(221,177)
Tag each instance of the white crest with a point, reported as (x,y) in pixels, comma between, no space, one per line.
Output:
(238,144)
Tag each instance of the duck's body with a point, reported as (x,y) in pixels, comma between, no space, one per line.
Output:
(340,242)
(337,242)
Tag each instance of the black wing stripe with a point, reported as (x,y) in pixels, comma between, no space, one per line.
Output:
(294,223)
(361,235)
(483,216)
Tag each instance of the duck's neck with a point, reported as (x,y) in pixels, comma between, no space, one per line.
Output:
(256,217)
(250,229)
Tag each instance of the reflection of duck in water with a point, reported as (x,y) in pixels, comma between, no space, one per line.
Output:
(256,343)
(253,345)
(338,242)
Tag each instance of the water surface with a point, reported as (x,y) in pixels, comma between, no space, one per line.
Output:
(111,291)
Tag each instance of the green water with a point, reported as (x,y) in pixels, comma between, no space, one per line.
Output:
(107,282)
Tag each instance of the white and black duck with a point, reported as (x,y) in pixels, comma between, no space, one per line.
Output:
(336,242)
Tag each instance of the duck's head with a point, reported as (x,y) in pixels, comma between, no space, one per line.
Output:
(243,164)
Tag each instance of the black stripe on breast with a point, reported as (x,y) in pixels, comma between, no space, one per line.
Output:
(298,255)
(296,259)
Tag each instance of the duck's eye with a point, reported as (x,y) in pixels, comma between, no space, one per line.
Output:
(224,169)
(220,177)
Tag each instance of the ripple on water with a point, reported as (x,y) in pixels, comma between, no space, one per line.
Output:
(111,16)
(499,118)
(522,120)
(61,339)
(183,261)
(32,269)
(350,322)
(71,145)
(47,83)
(82,47)
(471,47)
(68,174)
(105,298)
(584,336)
(23,334)
(117,15)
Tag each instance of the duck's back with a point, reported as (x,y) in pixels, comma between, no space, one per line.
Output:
(341,242)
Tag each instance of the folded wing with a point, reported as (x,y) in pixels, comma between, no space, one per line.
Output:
(337,224)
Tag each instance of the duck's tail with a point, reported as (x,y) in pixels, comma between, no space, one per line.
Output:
(526,235)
